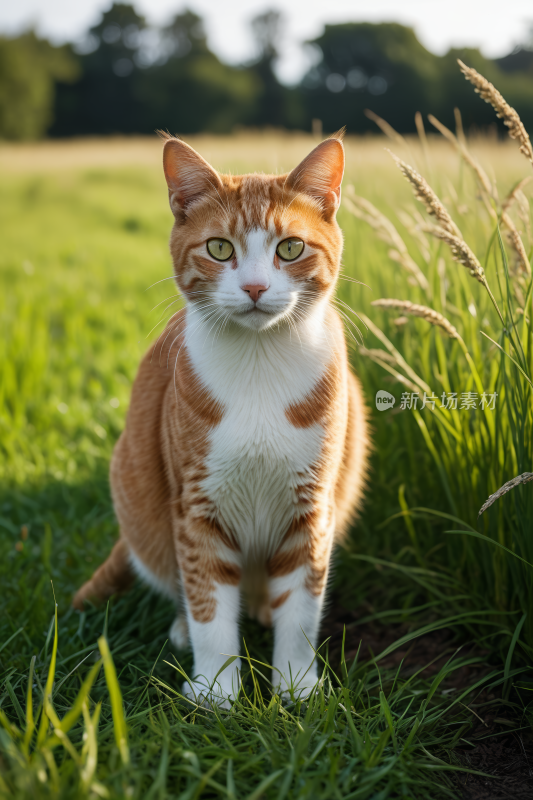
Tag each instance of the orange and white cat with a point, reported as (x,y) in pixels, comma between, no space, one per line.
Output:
(245,448)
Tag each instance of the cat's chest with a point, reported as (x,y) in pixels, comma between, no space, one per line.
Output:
(256,457)
(256,436)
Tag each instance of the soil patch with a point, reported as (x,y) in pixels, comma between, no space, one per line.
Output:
(426,654)
(508,757)
(505,755)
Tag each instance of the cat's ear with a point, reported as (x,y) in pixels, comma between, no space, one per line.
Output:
(320,174)
(188,175)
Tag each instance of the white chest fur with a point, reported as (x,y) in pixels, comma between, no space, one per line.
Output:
(257,458)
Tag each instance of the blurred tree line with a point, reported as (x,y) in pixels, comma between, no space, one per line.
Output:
(127,77)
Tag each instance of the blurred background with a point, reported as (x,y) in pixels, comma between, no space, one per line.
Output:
(95,68)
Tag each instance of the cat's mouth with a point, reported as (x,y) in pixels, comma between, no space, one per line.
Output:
(256,308)
(267,312)
(256,318)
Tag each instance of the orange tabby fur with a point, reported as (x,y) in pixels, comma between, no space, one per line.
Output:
(175,529)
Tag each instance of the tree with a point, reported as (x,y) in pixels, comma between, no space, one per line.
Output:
(521,58)
(361,65)
(275,104)
(29,68)
(516,87)
(184,36)
(386,69)
(136,80)
(188,89)
(105,99)
(129,78)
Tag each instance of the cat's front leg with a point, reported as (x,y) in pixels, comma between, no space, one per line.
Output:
(298,575)
(211,574)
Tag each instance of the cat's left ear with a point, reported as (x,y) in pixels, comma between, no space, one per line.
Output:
(320,174)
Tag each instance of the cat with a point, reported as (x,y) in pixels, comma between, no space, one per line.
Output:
(245,450)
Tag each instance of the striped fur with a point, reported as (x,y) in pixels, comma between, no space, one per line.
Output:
(245,448)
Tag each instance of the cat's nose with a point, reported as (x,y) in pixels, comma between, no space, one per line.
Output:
(255,291)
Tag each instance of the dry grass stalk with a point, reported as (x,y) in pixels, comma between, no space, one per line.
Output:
(412,226)
(460,253)
(490,192)
(428,314)
(504,111)
(523,211)
(526,477)
(400,321)
(419,122)
(515,192)
(448,232)
(516,243)
(418,217)
(462,149)
(459,126)
(516,195)
(384,126)
(427,196)
(378,355)
(363,209)
(400,360)
(441,271)
(389,363)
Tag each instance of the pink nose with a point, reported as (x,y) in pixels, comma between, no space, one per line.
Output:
(255,291)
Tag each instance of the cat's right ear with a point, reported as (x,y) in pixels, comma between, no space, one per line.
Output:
(188,175)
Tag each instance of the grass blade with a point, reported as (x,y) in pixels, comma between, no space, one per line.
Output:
(119,722)
(508,660)
(487,539)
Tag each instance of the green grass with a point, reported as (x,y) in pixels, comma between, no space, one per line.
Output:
(79,250)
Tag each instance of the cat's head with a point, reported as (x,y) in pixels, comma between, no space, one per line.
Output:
(255,249)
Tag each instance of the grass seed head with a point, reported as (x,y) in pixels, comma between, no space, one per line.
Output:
(516,243)
(526,477)
(363,209)
(429,314)
(460,253)
(504,111)
(515,193)
(459,142)
(384,126)
(427,196)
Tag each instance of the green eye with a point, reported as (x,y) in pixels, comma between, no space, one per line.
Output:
(290,249)
(220,249)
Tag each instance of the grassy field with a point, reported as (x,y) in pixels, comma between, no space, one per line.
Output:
(84,230)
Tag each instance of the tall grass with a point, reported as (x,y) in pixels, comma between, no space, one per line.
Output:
(475,341)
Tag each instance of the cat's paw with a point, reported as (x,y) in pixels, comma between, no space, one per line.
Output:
(179,633)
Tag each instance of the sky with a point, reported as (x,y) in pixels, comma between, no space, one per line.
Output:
(493,26)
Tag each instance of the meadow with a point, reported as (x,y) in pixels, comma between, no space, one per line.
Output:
(90,703)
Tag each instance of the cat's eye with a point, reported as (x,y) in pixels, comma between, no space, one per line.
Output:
(290,249)
(220,249)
